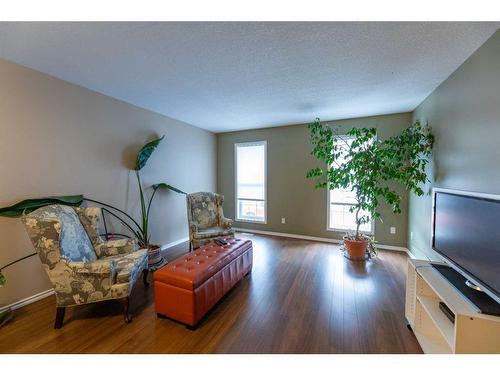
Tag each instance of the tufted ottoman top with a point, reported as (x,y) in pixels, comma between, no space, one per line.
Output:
(194,268)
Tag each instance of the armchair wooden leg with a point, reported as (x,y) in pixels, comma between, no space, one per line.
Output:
(145,273)
(59,317)
(125,302)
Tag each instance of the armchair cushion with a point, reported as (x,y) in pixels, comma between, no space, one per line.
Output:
(116,247)
(103,268)
(212,232)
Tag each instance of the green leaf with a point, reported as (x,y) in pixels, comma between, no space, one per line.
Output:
(28,205)
(163,185)
(2,279)
(367,164)
(145,152)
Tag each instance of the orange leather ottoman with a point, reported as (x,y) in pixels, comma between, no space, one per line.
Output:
(187,288)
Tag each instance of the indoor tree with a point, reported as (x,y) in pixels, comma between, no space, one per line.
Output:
(359,161)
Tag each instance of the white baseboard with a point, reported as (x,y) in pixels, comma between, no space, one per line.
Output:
(289,235)
(49,292)
(418,254)
(319,239)
(410,254)
(390,247)
(174,243)
(28,300)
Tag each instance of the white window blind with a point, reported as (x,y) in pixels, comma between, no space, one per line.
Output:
(251,181)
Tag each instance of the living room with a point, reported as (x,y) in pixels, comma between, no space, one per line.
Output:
(249,187)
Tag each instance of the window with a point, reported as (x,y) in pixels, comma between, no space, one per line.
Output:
(250,161)
(339,203)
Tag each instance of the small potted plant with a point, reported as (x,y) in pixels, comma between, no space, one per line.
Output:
(359,161)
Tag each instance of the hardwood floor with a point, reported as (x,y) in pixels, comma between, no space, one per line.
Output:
(302,297)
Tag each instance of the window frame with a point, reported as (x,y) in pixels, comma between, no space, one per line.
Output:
(328,206)
(246,144)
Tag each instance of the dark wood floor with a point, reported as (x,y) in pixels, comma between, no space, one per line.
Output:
(302,297)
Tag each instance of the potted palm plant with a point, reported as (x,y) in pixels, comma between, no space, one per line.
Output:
(139,229)
(359,161)
(143,236)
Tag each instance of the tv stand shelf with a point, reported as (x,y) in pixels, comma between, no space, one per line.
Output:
(472,331)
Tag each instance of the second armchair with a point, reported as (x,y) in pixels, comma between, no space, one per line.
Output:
(206,219)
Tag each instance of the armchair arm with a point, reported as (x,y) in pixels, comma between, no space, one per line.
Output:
(86,281)
(194,228)
(100,269)
(116,247)
(226,223)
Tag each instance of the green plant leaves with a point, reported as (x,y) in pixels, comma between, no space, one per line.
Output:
(2,279)
(145,152)
(359,161)
(163,185)
(28,205)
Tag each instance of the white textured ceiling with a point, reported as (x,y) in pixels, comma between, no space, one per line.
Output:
(232,76)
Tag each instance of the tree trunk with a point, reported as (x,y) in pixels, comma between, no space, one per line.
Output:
(358,224)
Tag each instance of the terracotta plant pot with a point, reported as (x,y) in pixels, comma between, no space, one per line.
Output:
(356,249)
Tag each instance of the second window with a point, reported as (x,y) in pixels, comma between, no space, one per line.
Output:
(250,162)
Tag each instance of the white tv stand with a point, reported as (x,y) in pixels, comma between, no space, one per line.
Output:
(472,332)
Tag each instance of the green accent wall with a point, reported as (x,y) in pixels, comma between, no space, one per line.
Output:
(464,112)
(289,193)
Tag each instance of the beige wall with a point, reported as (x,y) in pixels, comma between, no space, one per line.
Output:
(464,112)
(289,193)
(57,138)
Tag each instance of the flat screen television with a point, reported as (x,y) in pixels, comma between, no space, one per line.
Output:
(466,234)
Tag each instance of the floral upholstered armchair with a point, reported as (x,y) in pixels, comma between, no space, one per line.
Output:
(81,266)
(206,219)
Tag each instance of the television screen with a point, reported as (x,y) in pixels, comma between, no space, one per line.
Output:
(466,232)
